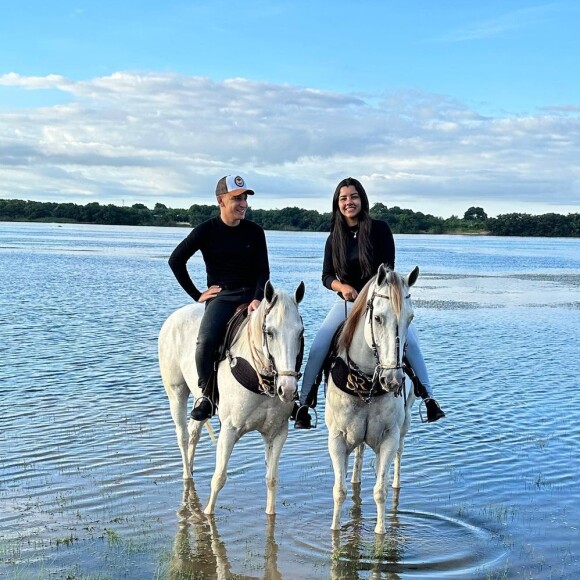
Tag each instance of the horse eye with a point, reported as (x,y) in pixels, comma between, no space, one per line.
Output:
(377,319)
(269,334)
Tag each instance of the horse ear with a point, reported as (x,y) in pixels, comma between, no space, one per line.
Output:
(268,292)
(299,294)
(382,275)
(412,277)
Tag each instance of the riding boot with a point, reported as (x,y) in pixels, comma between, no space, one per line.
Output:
(303,419)
(203,410)
(434,411)
(207,403)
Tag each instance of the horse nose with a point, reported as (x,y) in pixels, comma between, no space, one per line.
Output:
(287,389)
(392,380)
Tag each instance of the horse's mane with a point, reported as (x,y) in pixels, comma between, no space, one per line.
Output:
(394,287)
(357,311)
(283,300)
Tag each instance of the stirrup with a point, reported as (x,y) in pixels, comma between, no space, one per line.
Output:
(423,420)
(311,426)
(198,402)
(315,418)
(426,419)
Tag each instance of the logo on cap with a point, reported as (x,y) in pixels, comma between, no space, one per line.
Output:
(239,181)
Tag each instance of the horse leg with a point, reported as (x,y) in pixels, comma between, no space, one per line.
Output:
(273,449)
(384,458)
(399,453)
(358,463)
(228,437)
(194,429)
(339,457)
(397,468)
(178,396)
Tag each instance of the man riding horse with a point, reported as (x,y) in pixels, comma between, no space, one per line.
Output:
(236,261)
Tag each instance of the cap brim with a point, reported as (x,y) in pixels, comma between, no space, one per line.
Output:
(238,191)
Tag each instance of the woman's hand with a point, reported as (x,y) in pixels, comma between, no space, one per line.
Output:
(253,305)
(348,292)
(211,292)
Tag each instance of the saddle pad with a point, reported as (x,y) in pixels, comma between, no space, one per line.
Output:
(245,374)
(339,373)
(360,386)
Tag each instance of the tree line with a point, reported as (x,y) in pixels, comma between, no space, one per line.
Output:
(401,221)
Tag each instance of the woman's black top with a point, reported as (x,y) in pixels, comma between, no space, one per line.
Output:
(235,257)
(383,252)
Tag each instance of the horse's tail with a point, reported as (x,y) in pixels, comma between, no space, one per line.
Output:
(211,432)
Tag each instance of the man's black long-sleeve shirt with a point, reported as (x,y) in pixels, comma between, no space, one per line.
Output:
(235,256)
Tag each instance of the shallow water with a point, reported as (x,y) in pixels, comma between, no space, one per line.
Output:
(90,472)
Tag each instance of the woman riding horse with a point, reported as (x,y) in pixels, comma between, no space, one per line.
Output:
(355,248)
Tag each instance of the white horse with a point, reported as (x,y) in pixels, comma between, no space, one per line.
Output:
(268,347)
(374,404)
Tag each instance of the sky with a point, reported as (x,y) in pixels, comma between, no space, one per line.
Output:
(434,105)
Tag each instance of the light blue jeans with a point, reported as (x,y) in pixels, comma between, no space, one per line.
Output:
(323,338)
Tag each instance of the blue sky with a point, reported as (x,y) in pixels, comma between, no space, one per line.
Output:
(435,105)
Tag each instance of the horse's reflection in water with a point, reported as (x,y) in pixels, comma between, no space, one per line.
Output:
(198,551)
(357,555)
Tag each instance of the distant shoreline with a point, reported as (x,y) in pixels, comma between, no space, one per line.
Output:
(64,221)
(474,222)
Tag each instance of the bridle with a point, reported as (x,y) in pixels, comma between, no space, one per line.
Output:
(268,376)
(379,367)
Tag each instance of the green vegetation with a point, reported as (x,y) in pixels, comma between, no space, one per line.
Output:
(402,221)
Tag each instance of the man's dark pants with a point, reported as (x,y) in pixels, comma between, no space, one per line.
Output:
(212,329)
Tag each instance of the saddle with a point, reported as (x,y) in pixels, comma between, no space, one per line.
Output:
(241,369)
(349,378)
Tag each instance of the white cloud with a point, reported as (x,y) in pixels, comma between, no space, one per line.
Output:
(165,137)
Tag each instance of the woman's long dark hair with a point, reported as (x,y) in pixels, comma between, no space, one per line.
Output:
(340,232)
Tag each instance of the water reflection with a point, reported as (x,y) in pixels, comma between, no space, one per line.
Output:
(196,551)
(199,552)
(360,552)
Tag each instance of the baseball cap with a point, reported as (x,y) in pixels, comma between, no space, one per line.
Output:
(234,184)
